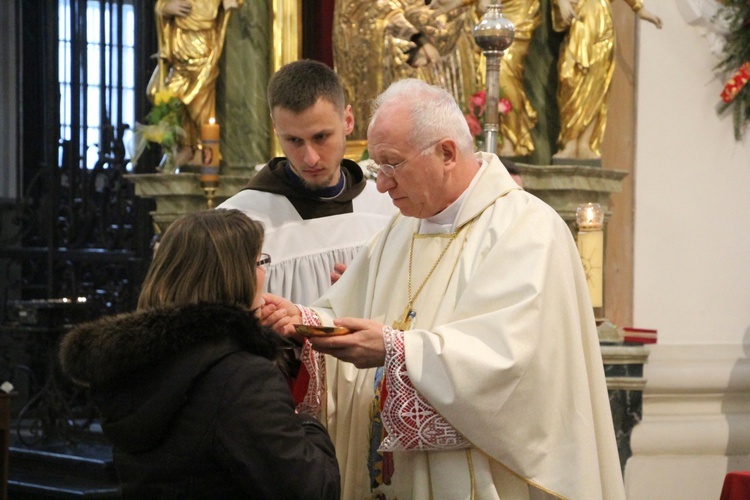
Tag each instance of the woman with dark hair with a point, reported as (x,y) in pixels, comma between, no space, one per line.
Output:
(189,386)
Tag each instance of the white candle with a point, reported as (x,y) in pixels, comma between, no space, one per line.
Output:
(591,248)
(590,220)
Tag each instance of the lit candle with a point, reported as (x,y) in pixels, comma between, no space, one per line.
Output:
(211,156)
(210,131)
(590,218)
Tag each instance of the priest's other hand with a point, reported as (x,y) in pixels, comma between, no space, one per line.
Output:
(281,315)
(338,270)
(364,347)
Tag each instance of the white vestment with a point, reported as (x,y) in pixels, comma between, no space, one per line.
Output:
(303,252)
(503,346)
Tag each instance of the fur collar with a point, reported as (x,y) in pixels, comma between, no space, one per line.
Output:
(112,347)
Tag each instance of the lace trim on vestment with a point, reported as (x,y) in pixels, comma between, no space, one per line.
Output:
(412,423)
(314,363)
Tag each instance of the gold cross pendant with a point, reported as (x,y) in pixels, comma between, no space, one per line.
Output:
(406,320)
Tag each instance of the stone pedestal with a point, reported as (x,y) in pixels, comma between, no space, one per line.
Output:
(178,194)
(623,369)
(564,187)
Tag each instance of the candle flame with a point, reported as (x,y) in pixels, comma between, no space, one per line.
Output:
(211,120)
(590,215)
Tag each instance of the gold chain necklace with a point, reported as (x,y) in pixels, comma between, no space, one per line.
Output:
(409,314)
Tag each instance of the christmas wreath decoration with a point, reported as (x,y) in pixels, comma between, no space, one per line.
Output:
(736,61)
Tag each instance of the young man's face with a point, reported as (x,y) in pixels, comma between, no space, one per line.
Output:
(314,141)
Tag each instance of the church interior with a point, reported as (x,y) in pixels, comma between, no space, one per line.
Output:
(81,207)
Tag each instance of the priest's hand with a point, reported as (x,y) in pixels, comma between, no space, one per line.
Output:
(281,315)
(364,348)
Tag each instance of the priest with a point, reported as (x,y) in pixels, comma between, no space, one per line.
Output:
(473,368)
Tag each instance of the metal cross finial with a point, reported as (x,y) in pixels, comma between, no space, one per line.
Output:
(493,34)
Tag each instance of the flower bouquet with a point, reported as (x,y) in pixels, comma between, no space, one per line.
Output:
(164,127)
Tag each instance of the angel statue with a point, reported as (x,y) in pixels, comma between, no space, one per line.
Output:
(377,43)
(191,37)
(585,68)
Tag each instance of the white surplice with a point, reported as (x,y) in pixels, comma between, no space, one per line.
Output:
(303,252)
(503,346)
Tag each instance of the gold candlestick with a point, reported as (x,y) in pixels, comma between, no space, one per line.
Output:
(210,193)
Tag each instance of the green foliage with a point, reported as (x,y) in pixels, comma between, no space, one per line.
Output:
(163,127)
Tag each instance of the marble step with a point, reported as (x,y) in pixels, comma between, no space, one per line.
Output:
(62,469)
(24,484)
(90,460)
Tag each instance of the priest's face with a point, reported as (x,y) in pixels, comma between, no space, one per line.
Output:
(418,185)
(314,141)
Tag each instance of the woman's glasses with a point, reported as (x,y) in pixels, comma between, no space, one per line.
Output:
(264,261)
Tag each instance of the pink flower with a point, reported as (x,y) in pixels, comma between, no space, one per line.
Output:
(504,106)
(477,101)
(475,128)
(475,111)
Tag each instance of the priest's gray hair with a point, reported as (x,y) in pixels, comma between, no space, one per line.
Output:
(433,111)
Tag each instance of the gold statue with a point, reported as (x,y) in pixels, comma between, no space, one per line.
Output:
(377,43)
(585,69)
(516,126)
(191,37)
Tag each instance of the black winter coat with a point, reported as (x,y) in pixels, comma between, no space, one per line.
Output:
(195,406)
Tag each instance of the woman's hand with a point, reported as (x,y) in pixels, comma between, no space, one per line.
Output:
(281,315)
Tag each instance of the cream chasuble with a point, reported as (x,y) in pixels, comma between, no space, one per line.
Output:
(503,346)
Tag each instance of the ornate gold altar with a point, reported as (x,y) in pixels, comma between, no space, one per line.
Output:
(253,50)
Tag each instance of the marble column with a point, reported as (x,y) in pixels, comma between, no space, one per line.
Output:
(241,89)
(623,369)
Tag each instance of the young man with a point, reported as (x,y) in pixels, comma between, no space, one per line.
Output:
(471,331)
(317,207)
